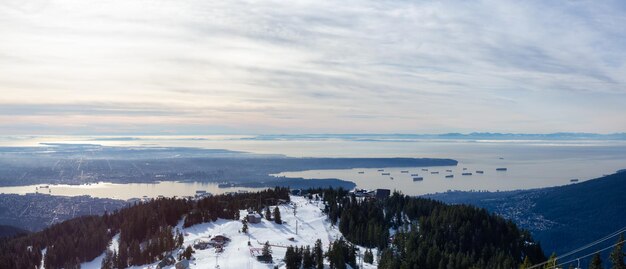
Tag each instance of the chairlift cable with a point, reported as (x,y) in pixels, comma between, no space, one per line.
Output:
(618,232)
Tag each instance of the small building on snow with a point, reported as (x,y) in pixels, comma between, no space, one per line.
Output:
(254,218)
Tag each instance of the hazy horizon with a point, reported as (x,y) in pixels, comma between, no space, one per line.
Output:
(304,136)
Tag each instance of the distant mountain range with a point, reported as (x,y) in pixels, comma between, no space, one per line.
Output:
(468,136)
(561,218)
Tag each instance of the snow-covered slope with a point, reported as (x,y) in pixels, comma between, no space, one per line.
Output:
(311,224)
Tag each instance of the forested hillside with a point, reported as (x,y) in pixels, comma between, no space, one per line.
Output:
(561,218)
(430,234)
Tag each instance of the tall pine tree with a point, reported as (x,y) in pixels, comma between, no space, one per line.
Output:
(267,250)
(596,262)
(268,213)
(308,262)
(617,256)
(368,257)
(551,263)
(318,254)
(526,264)
(277,218)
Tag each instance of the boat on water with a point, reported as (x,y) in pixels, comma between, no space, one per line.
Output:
(404,171)
(501,169)
(466,174)
(414,175)
(573,180)
(449,176)
(418,178)
(480,172)
(386,174)
(434,172)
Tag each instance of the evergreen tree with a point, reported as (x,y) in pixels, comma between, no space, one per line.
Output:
(292,258)
(368,256)
(135,254)
(289,254)
(122,256)
(244,228)
(187,253)
(180,239)
(107,261)
(596,262)
(308,262)
(318,254)
(299,253)
(617,256)
(277,216)
(551,263)
(527,264)
(340,253)
(267,250)
(268,214)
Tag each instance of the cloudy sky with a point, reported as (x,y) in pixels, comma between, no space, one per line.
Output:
(311,66)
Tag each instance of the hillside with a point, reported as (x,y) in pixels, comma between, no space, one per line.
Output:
(561,218)
(9,231)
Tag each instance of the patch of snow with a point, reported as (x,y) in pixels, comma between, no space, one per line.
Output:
(43,257)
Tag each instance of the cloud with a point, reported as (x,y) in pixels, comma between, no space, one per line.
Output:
(313,66)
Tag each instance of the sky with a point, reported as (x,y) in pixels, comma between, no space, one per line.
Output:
(311,66)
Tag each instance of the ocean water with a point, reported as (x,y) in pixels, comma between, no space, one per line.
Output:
(529,163)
